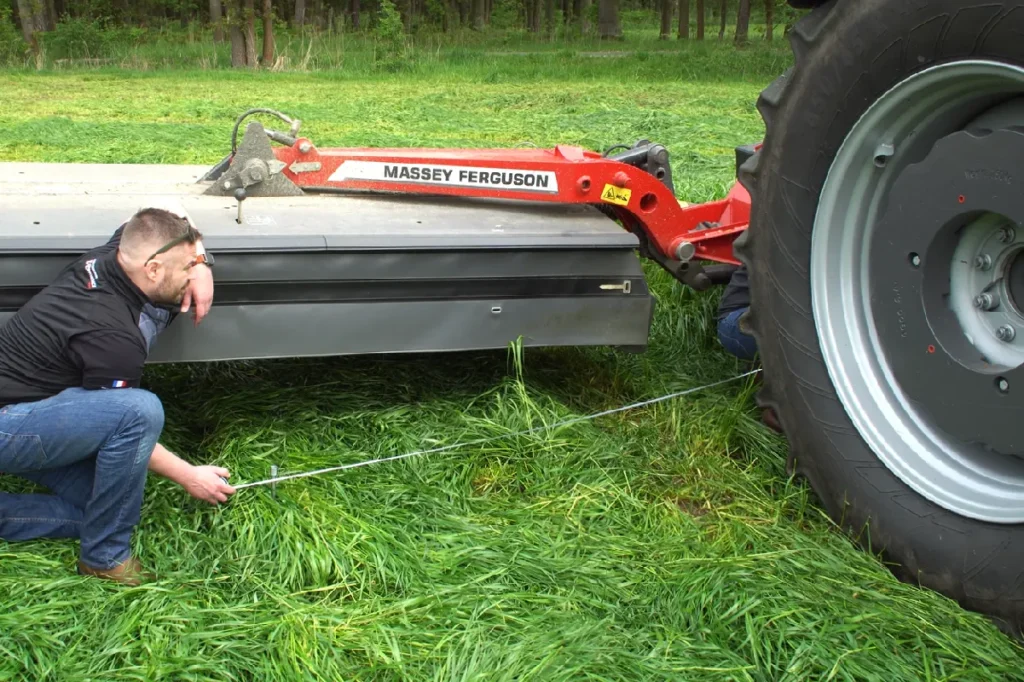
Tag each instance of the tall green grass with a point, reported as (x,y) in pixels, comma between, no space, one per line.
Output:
(661,543)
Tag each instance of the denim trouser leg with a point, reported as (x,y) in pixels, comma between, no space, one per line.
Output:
(92,450)
(59,515)
(736,342)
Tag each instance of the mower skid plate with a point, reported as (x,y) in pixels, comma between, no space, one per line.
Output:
(333,274)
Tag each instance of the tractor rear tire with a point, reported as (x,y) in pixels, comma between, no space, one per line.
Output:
(847,57)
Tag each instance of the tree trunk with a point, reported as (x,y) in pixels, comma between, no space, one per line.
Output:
(451,13)
(124,8)
(769,19)
(725,12)
(404,8)
(300,13)
(700,19)
(549,18)
(243,51)
(585,17)
(250,32)
(32,22)
(268,33)
(684,20)
(51,16)
(234,20)
(666,19)
(355,14)
(216,16)
(478,15)
(608,20)
(743,23)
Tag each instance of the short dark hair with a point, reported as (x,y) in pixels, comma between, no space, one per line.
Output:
(159,227)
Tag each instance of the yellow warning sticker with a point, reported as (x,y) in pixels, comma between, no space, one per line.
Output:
(616,195)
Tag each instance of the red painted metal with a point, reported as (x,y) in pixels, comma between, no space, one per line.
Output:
(573,175)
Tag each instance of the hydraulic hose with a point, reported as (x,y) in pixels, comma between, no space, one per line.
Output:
(294,123)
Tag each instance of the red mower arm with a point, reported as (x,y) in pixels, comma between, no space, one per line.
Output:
(634,186)
(563,175)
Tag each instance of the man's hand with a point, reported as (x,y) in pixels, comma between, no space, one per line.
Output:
(200,292)
(201,482)
(204,483)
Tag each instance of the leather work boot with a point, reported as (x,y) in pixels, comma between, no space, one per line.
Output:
(129,572)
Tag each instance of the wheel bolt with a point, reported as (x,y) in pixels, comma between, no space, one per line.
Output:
(985,302)
(983,262)
(1007,234)
(1006,333)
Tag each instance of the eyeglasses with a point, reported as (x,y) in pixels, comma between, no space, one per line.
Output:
(191,235)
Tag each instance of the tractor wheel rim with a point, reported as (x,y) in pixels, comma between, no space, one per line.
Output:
(896,132)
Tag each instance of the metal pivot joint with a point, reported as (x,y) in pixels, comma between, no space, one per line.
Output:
(254,168)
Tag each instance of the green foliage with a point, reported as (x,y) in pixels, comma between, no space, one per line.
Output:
(80,39)
(665,543)
(177,34)
(13,49)
(505,15)
(391,54)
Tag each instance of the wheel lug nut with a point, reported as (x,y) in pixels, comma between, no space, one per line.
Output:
(1006,333)
(983,262)
(1007,234)
(985,301)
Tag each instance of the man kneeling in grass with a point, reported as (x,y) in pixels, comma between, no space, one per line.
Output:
(72,415)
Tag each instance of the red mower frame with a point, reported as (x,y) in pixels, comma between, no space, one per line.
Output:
(634,186)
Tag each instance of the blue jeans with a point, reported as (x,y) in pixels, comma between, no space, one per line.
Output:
(736,342)
(91,449)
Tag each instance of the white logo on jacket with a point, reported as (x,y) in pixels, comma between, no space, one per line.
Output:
(90,269)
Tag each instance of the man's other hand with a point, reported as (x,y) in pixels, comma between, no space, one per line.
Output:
(200,293)
(205,484)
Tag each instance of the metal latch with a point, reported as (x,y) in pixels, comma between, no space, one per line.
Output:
(625,287)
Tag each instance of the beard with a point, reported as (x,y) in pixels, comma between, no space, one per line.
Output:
(171,295)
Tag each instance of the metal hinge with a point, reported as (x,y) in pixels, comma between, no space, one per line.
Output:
(625,287)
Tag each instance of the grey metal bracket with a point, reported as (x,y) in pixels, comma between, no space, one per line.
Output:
(254,169)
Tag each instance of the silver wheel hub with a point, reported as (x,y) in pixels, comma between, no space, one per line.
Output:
(975,326)
(982,292)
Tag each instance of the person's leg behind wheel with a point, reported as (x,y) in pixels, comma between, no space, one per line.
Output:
(733,339)
(742,345)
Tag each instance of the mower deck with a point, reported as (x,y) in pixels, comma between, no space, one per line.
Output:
(332,274)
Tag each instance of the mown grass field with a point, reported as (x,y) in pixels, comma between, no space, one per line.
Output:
(662,543)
